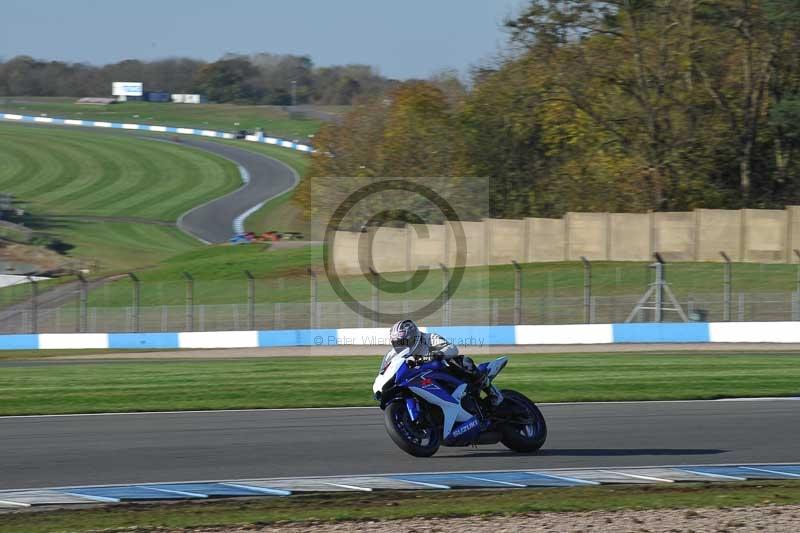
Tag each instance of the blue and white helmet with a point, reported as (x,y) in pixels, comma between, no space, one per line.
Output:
(405,334)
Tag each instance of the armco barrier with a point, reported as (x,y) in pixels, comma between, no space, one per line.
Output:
(158,129)
(774,332)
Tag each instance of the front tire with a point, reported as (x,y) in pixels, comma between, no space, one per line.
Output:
(420,439)
(523,438)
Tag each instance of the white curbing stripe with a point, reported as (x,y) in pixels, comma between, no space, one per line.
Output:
(14,504)
(565,334)
(351,487)
(218,339)
(637,476)
(424,484)
(778,332)
(65,341)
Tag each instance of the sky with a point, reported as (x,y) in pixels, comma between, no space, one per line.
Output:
(403,39)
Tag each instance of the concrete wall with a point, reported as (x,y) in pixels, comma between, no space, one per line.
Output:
(748,235)
(629,236)
(674,236)
(389,249)
(475,236)
(587,236)
(506,241)
(427,245)
(545,240)
(765,235)
(718,230)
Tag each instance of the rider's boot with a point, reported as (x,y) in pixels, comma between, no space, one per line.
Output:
(493,394)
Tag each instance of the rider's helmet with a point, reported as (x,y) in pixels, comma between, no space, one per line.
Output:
(405,334)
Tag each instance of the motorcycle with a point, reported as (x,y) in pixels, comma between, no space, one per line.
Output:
(426,407)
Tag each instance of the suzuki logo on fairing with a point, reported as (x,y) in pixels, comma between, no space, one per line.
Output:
(466,427)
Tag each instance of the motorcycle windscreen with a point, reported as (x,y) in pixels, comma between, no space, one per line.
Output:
(389,357)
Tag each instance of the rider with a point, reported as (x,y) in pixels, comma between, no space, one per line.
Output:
(406,334)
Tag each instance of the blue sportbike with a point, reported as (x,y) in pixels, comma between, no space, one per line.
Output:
(426,407)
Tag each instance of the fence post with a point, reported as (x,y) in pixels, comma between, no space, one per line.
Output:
(83,297)
(797,285)
(376,298)
(445,294)
(251,301)
(517,293)
(34,304)
(726,288)
(313,299)
(587,290)
(660,276)
(189,301)
(137,300)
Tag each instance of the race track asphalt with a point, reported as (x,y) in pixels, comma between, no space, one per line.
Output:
(213,221)
(107,449)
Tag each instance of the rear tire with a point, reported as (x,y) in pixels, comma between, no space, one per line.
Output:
(523,438)
(420,439)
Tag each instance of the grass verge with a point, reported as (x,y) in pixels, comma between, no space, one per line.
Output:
(347,381)
(397,505)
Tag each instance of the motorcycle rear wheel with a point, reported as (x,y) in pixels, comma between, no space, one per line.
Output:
(420,439)
(523,438)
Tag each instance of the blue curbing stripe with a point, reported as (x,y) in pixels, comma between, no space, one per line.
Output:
(647,332)
(143,340)
(131,492)
(19,342)
(297,337)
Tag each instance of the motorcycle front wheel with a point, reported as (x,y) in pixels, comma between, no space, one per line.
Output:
(420,439)
(524,437)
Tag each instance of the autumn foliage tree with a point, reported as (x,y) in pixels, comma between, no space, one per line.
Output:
(623,105)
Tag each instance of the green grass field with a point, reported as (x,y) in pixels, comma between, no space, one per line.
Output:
(346,381)
(58,173)
(68,172)
(383,505)
(223,117)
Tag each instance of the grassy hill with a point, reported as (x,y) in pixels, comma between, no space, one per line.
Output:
(224,117)
(109,196)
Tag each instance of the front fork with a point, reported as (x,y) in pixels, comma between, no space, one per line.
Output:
(412,406)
